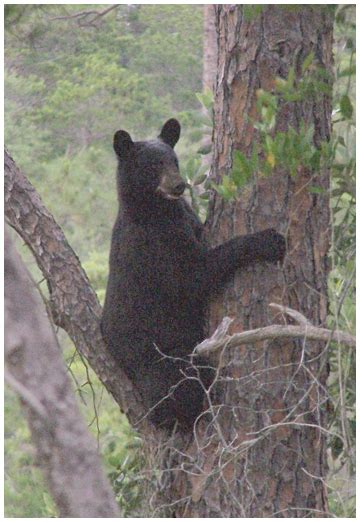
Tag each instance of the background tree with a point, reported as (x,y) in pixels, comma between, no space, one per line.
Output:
(77,183)
(34,368)
(210,45)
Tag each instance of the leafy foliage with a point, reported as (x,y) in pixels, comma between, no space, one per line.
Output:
(342,276)
(290,149)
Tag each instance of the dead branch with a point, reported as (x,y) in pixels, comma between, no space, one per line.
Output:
(305,330)
(86,18)
(36,372)
(294,314)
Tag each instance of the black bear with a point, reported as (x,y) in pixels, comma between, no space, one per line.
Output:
(162,276)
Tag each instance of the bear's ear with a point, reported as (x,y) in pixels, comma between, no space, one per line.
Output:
(170,133)
(122,143)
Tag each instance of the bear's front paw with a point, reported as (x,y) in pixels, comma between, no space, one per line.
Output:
(274,246)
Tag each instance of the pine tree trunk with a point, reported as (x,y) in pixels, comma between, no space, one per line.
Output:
(276,382)
(264,454)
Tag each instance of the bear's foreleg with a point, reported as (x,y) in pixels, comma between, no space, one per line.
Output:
(240,252)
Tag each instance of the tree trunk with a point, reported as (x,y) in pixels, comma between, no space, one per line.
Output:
(274,408)
(35,370)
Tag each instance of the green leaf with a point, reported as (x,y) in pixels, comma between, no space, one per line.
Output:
(251,11)
(346,107)
(309,134)
(291,77)
(348,71)
(349,43)
(337,192)
(200,178)
(206,99)
(269,144)
(307,62)
(315,160)
(204,195)
(254,160)
(316,190)
(227,189)
(241,171)
(190,169)
(341,141)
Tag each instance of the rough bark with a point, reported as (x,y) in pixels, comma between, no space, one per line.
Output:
(73,303)
(281,474)
(34,368)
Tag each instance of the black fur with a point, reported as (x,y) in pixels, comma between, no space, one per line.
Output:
(162,276)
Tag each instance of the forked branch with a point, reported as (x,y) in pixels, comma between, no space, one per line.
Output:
(220,339)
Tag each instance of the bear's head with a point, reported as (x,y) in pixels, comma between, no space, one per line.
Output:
(150,167)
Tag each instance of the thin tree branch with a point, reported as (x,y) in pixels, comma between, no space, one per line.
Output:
(305,330)
(297,316)
(83,17)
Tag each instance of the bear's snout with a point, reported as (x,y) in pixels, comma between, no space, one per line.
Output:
(171,186)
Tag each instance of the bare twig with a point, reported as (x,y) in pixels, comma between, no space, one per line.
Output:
(218,338)
(297,316)
(85,18)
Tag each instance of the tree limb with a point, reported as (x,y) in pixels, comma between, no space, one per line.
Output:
(35,370)
(73,303)
(220,339)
